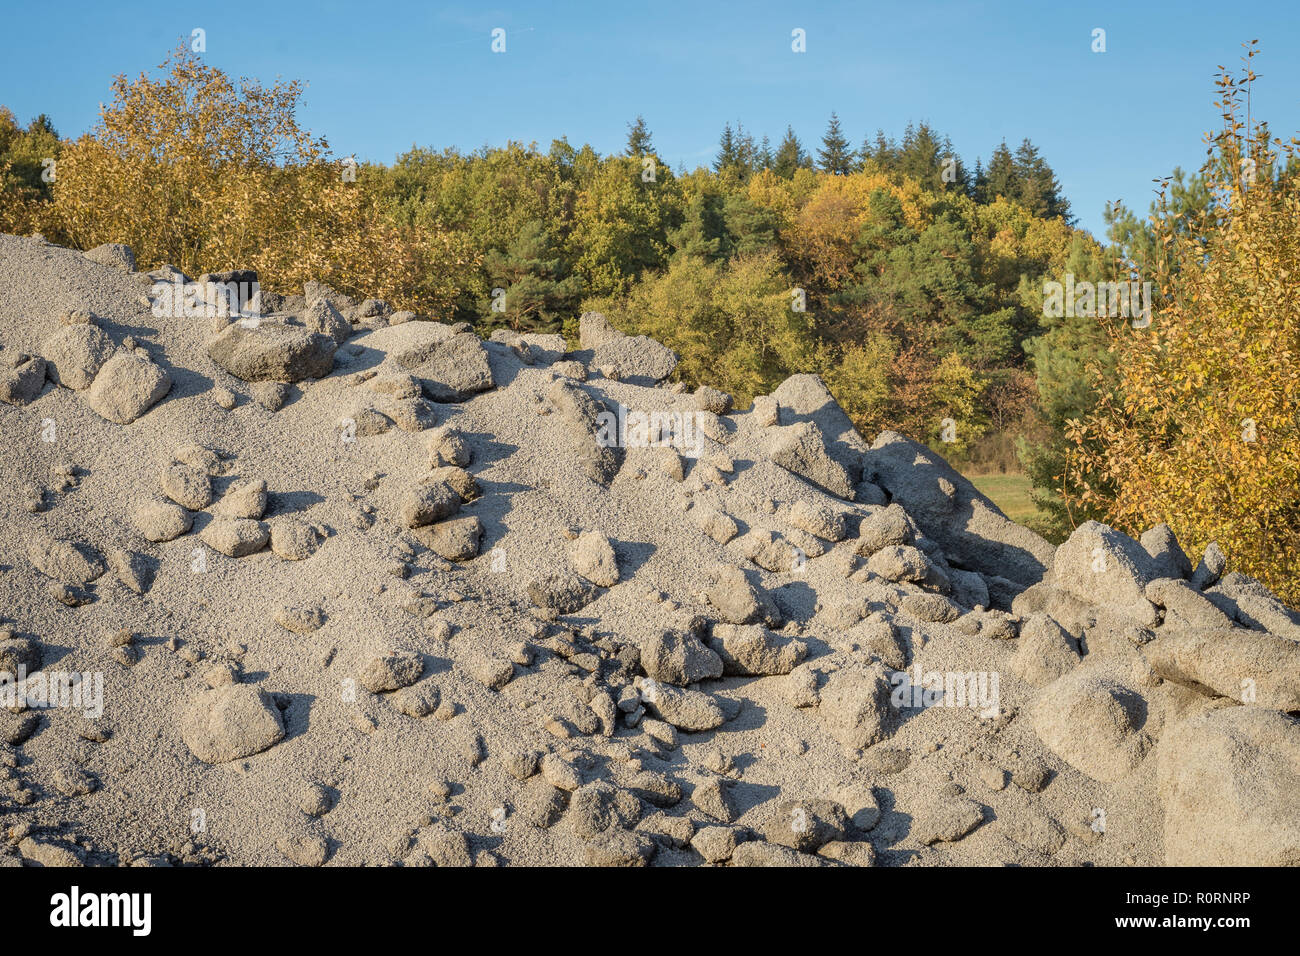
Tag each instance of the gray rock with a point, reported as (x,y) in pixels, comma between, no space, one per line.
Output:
(855,704)
(113,254)
(268,350)
(801,450)
(126,387)
(596,807)
(1185,607)
(187,486)
(18,652)
(161,520)
(948,821)
(899,562)
(593,558)
(563,592)
(243,499)
(1229,781)
(75,354)
(457,539)
(1247,666)
(428,503)
(714,523)
(736,601)
(1044,652)
(592,435)
(594,331)
(391,671)
(132,569)
(321,316)
(930,607)
(687,710)
(455,370)
(1210,568)
(623,848)
(754,651)
(806,825)
(236,537)
(1098,564)
(818,519)
(22,377)
(969,527)
(679,657)
(637,359)
(231,722)
(1167,556)
(70,562)
(805,398)
(716,844)
(884,528)
(1093,723)
(714,797)
(292,539)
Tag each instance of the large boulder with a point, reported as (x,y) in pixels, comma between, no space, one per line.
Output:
(593,438)
(320,316)
(127,387)
(75,354)
(1247,666)
(1099,565)
(636,358)
(1093,722)
(1229,780)
(455,369)
(231,722)
(269,350)
(801,449)
(855,704)
(805,398)
(972,531)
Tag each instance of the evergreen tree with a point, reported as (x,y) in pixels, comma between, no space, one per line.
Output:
(532,273)
(638,138)
(728,150)
(789,155)
(835,156)
(1001,178)
(1037,188)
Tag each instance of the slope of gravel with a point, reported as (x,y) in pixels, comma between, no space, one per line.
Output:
(466,633)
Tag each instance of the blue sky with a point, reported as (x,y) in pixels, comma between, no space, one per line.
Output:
(385,76)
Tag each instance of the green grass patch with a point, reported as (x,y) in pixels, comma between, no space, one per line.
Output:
(1009,492)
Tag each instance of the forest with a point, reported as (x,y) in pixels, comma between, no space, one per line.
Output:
(922,287)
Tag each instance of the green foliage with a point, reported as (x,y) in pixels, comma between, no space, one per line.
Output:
(835,156)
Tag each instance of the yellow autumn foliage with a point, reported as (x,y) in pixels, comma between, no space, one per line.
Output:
(1203,430)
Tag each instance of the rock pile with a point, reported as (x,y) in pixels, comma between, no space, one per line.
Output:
(362,587)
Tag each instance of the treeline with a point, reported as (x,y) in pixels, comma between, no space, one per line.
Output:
(909,280)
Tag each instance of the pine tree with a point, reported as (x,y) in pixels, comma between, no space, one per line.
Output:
(532,272)
(789,155)
(1037,188)
(1001,178)
(638,138)
(728,150)
(835,156)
